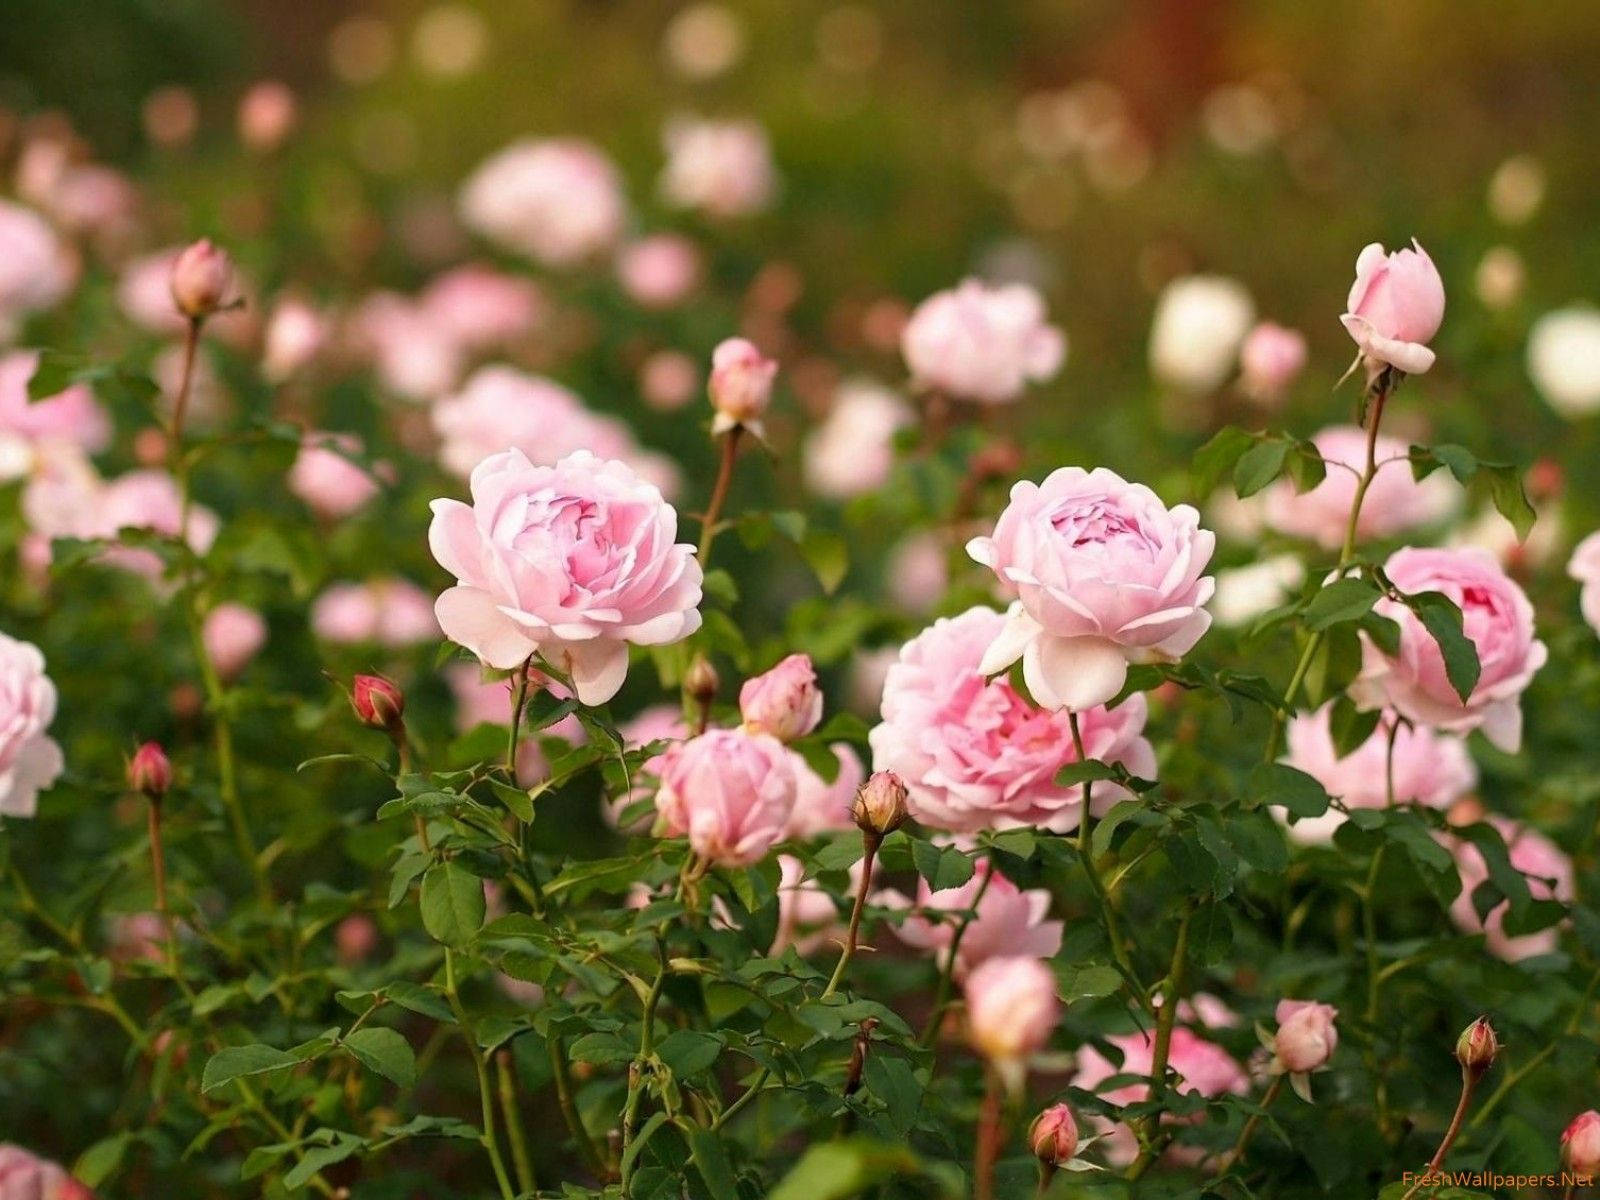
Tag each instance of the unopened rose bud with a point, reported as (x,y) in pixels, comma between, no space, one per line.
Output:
(378,702)
(1580,1144)
(700,682)
(785,702)
(740,386)
(880,804)
(1054,1136)
(150,771)
(1307,1036)
(1477,1046)
(202,278)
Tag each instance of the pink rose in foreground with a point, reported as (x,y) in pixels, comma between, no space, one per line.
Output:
(558,201)
(480,307)
(1497,619)
(785,701)
(982,343)
(1584,566)
(722,168)
(1395,502)
(25,1176)
(1549,874)
(326,478)
(1105,574)
(975,753)
(1396,305)
(1580,1144)
(729,792)
(1429,768)
(30,760)
(36,268)
(740,386)
(71,415)
(572,562)
(1270,360)
(390,611)
(852,450)
(659,271)
(1008,921)
(1307,1036)
(1011,1009)
(233,635)
(820,806)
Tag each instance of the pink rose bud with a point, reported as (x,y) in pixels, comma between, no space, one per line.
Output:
(1396,306)
(785,702)
(233,634)
(202,278)
(879,807)
(378,702)
(25,1176)
(740,386)
(1307,1036)
(1011,1009)
(1580,1144)
(1477,1046)
(1270,360)
(1054,1136)
(700,682)
(150,771)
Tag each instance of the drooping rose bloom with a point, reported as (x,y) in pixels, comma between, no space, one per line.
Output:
(36,268)
(981,343)
(659,271)
(71,415)
(852,450)
(1008,920)
(975,753)
(324,476)
(820,806)
(558,201)
(390,611)
(722,168)
(785,701)
(1584,566)
(482,308)
(1429,768)
(1307,1035)
(25,1176)
(1105,574)
(573,562)
(1549,874)
(233,635)
(1395,501)
(1497,619)
(30,760)
(1011,1009)
(1270,360)
(1396,305)
(729,792)
(1199,324)
(1564,360)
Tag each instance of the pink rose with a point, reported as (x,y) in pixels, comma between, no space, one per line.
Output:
(785,701)
(25,1176)
(1011,1009)
(326,478)
(572,562)
(975,753)
(148,500)
(37,269)
(1053,1136)
(723,168)
(1106,575)
(144,293)
(1007,922)
(740,386)
(1429,768)
(481,308)
(296,333)
(659,271)
(729,792)
(852,450)
(1396,306)
(1307,1036)
(1395,501)
(30,760)
(1497,619)
(233,635)
(1549,874)
(1270,360)
(389,611)
(558,201)
(71,415)
(982,343)
(820,806)
(1580,1144)
(1584,566)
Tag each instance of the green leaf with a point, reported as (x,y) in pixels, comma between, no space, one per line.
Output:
(1342,600)
(322,1156)
(452,903)
(517,801)
(1350,726)
(1089,770)
(942,866)
(710,1154)
(1306,466)
(1281,785)
(1259,466)
(1511,498)
(828,556)
(419,999)
(835,1170)
(96,1164)
(688,1052)
(1218,457)
(386,1052)
(1259,841)
(1441,618)
(236,1062)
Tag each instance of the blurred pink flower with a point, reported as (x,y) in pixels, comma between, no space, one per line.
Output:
(324,476)
(389,611)
(740,386)
(1584,566)
(558,201)
(296,333)
(982,343)
(1549,874)
(71,415)
(668,380)
(233,635)
(1270,360)
(37,269)
(482,308)
(852,450)
(267,113)
(415,356)
(722,168)
(25,1176)
(1012,1009)
(659,271)
(1008,920)
(820,806)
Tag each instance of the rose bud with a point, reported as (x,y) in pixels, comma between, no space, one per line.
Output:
(377,701)
(785,702)
(1011,1009)
(880,804)
(1477,1046)
(700,682)
(1580,1144)
(740,386)
(150,771)
(1054,1136)
(1396,306)
(1307,1036)
(202,277)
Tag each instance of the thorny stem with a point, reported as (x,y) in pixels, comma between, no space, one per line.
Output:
(512,1114)
(1469,1081)
(871,841)
(719,492)
(1249,1129)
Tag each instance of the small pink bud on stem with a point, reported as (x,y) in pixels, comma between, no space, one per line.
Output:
(880,805)
(378,702)
(202,278)
(1477,1047)
(150,771)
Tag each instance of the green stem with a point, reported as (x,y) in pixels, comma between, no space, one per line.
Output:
(1161,1050)
(1088,785)
(1249,1129)
(941,996)
(512,1114)
(636,1070)
(519,698)
(871,842)
(749,1094)
(569,1108)
(491,1139)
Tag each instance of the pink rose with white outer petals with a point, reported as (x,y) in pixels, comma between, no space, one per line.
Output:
(1307,1035)
(30,760)
(1007,922)
(1547,869)
(571,562)
(1395,502)
(1011,1010)
(982,343)
(1105,574)
(1584,566)
(1496,618)
(729,792)
(977,754)
(1429,768)
(1396,306)
(785,701)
